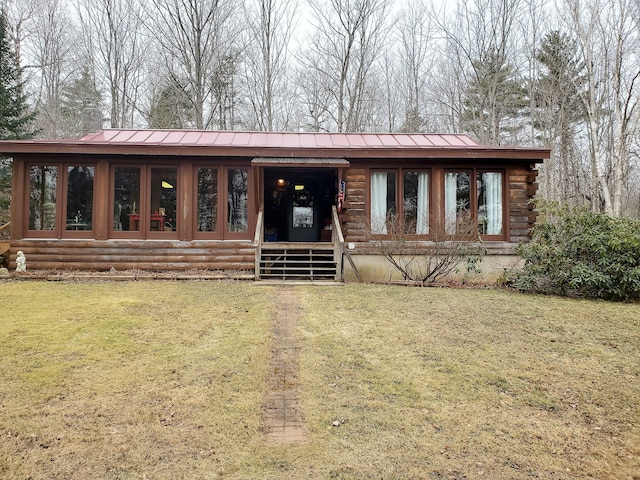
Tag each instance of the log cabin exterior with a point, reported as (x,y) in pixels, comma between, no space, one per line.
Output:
(167,200)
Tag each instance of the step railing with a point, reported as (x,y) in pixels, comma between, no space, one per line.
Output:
(290,260)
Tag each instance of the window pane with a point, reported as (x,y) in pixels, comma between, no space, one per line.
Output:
(163,205)
(42,197)
(416,202)
(126,199)
(383,200)
(207,200)
(237,197)
(457,202)
(490,203)
(79,198)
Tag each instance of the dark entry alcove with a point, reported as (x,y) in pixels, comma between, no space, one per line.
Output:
(297,203)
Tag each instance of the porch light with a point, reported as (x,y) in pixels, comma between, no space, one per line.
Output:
(166,184)
(282,182)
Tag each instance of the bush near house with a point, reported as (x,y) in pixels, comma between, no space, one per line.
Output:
(575,252)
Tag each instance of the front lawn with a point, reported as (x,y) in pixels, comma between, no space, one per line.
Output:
(167,380)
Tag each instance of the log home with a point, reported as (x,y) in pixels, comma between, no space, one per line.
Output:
(279,205)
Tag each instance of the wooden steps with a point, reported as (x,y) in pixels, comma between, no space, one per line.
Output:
(4,247)
(297,261)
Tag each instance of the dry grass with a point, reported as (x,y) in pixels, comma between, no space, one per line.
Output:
(166,380)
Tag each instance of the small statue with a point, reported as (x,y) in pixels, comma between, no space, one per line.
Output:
(21,262)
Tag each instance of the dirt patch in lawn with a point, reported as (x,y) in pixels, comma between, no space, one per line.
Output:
(283,416)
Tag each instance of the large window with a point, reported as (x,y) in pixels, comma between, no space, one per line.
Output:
(383,201)
(163,204)
(126,199)
(408,214)
(207,202)
(238,200)
(43,194)
(416,202)
(484,215)
(145,201)
(80,197)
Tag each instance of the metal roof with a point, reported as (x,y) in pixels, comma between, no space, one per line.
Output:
(277,139)
(273,144)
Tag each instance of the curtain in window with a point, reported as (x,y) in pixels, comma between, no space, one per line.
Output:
(450,202)
(379,202)
(493,202)
(422,222)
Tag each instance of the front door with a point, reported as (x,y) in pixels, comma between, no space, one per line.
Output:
(297,203)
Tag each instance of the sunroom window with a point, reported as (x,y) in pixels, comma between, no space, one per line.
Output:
(43,182)
(207,200)
(80,197)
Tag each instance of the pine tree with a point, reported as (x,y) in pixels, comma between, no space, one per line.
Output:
(16,121)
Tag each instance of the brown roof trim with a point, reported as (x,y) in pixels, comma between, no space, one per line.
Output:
(299,162)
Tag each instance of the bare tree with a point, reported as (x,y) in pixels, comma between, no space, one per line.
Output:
(481,46)
(607,32)
(53,50)
(416,47)
(267,58)
(348,37)
(200,50)
(111,31)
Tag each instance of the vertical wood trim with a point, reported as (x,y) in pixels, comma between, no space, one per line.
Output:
(102,200)
(19,199)
(186,225)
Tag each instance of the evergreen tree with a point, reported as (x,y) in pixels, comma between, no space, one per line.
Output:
(558,111)
(16,121)
(79,94)
(494,101)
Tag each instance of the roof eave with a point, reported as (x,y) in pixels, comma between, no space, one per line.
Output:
(80,148)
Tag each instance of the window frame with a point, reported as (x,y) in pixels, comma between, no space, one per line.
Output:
(399,173)
(218,233)
(55,232)
(90,233)
(143,208)
(474,200)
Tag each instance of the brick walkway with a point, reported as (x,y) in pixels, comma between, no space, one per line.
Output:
(284,420)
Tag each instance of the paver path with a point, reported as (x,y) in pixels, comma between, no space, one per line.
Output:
(284,420)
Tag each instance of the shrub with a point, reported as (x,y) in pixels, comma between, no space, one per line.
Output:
(574,252)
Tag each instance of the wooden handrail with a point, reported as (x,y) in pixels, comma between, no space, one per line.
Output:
(257,242)
(6,225)
(259,235)
(338,242)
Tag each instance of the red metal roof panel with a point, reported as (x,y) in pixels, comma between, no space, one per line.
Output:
(157,136)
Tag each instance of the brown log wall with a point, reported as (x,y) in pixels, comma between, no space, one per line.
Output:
(522,214)
(149,255)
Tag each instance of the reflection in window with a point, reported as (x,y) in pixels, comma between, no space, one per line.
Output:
(207,200)
(416,202)
(383,200)
(489,185)
(164,197)
(42,197)
(457,202)
(79,197)
(126,199)
(237,198)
